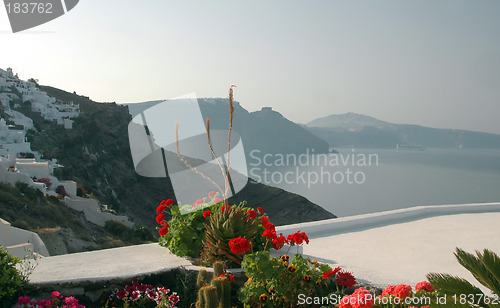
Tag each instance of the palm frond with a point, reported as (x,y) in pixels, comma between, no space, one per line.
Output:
(492,262)
(478,269)
(448,284)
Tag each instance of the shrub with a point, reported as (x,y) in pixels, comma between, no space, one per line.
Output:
(45,181)
(61,190)
(11,282)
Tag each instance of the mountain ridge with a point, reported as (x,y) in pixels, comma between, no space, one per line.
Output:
(358,130)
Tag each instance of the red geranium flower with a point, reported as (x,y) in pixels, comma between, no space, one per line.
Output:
(217,200)
(298,237)
(279,242)
(162,207)
(402,291)
(225,208)
(330,273)
(231,277)
(424,285)
(388,290)
(270,234)
(239,245)
(212,194)
(167,202)
(346,279)
(260,210)
(160,219)
(361,298)
(163,230)
(207,214)
(266,223)
(252,214)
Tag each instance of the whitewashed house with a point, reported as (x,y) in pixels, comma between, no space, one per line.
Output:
(32,168)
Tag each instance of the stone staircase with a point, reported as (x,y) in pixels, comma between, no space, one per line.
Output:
(18,241)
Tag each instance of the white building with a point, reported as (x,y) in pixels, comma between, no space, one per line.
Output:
(32,168)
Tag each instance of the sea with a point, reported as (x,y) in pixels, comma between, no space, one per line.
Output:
(361,181)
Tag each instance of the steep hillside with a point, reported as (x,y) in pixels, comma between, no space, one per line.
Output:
(62,229)
(96,153)
(266,130)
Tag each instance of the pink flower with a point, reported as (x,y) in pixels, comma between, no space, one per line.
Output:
(212,194)
(174,299)
(23,300)
(217,200)
(199,201)
(55,294)
(135,296)
(71,301)
(43,303)
(122,294)
(424,285)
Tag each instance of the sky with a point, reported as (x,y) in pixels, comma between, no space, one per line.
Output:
(427,62)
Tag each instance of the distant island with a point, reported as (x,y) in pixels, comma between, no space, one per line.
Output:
(361,131)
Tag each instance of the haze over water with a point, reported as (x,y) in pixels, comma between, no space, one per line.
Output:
(401,179)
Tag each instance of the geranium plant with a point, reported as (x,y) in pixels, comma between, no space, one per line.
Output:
(56,301)
(143,295)
(277,282)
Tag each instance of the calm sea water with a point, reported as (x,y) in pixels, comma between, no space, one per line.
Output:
(398,179)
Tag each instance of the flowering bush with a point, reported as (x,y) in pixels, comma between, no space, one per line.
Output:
(45,181)
(277,282)
(392,296)
(56,301)
(61,190)
(183,235)
(143,295)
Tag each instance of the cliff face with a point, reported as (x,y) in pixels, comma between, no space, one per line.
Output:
(96,153)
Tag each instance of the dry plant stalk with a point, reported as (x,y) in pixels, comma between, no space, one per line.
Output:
(225,173)
(184,160)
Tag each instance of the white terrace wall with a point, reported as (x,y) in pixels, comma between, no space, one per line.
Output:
(18,241)
(12,178)
(333,226)
(92,211)
(32,168)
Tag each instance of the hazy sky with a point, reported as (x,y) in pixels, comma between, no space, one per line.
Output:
(427,62)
